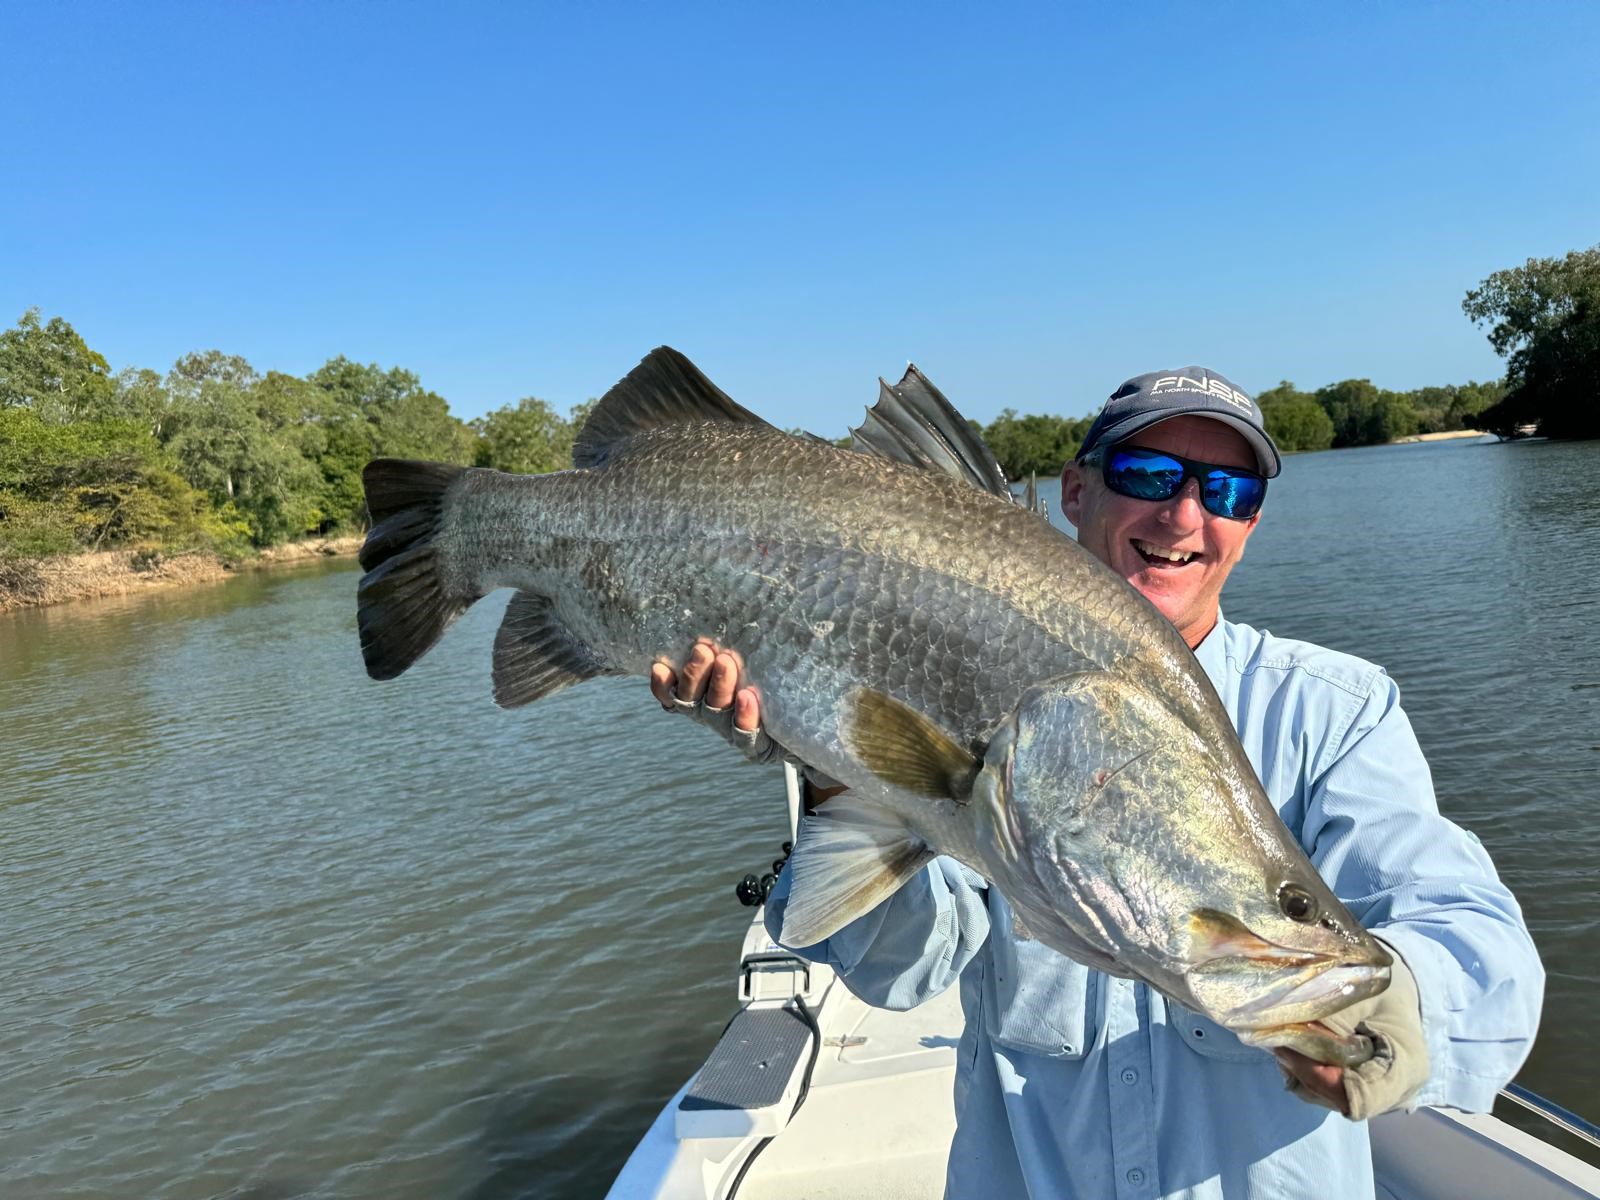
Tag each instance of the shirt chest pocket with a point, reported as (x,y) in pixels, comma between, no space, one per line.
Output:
(1036,1000)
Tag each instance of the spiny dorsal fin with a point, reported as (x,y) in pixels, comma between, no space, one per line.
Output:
(903,748)
(913,423)
(535,655)
(848,859)
(664,389)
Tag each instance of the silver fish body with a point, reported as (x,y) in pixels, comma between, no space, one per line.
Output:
(985,688)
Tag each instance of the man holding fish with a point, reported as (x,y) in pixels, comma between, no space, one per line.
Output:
(1073,1082)
(1145,840)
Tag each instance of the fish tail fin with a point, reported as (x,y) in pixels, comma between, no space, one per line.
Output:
(403,605)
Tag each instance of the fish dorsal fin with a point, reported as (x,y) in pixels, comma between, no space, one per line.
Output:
(913,423)
(906,750)
(849,857)
(534,654)
(664,389)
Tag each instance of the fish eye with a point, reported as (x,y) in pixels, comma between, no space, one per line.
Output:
(1297,903)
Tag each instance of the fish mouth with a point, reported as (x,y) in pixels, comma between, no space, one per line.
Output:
(1317,990)
(1258,985)
(1314,1040)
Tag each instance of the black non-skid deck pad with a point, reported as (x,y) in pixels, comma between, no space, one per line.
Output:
(753,1063)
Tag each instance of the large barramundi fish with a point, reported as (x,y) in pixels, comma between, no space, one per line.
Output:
(986,688)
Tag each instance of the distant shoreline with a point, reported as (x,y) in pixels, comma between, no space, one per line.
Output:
(103,573)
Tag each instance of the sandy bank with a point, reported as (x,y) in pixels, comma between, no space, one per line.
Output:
(1447,435)
(122,573)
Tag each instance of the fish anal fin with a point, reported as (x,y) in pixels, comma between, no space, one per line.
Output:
(905,749)
(535,654)
(664,389)
(849,858)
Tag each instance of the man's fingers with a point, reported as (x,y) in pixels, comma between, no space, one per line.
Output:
(692,681)
(663,684)
(724,681)
(1320,1083)
(747,710)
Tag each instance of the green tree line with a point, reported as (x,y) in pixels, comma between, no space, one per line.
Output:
(1544,320)
(215,454)
(1355,412)
(1350,413)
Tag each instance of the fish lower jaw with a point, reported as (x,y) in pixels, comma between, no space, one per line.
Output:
(1307,996)
(1314,1040)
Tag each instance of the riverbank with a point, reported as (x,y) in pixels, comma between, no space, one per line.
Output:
(1446,436)
(121,573)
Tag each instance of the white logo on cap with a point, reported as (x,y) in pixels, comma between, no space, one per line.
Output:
(1206,386)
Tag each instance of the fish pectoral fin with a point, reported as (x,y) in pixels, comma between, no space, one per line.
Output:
(664,389)
(535,654)
(849,858)
(913,423)
(905,749)
(1018,930)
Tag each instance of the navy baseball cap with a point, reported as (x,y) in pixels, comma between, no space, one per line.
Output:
(1188,391)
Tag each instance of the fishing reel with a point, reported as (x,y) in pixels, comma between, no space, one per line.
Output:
(752,891)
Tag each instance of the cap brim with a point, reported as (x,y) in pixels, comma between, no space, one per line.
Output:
(1267,458)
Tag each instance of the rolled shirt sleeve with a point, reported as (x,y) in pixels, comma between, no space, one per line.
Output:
(1373,829)
(909,948)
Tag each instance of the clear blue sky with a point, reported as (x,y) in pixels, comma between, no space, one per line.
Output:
(1030,201)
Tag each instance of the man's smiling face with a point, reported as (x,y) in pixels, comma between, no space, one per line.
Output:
(1173,551)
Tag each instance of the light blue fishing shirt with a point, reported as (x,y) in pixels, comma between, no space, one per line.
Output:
(1074,1084)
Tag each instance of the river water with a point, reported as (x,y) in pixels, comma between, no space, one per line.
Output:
(272,929)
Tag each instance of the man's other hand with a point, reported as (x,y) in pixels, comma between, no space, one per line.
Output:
(1397,1070)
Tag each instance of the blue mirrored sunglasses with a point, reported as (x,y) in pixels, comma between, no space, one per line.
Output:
(1231,492)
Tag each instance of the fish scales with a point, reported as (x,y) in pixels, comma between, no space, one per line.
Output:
(701,531)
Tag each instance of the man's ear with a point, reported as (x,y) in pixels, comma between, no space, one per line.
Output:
(1072,492)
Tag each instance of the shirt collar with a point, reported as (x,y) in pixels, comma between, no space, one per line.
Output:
(1212,652)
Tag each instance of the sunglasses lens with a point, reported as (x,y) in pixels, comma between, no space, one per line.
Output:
(1151,475)
(1229,495)
(1143,475)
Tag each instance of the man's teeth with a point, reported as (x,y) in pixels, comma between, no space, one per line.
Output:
(1153,551)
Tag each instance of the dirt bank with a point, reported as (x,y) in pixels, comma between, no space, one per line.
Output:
(121,573)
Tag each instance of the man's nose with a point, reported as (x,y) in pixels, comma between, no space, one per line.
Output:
(1184,511)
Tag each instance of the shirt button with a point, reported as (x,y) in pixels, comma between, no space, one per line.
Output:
(1130,1076)
(1135,1176)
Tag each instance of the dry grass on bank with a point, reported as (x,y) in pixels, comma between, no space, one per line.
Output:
(121,572)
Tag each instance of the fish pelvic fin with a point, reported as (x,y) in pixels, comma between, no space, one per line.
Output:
(402,605)
(849,857)
(905,749)
(913,423)
(535,654)
(664,389)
